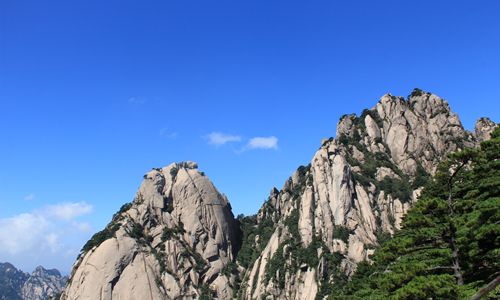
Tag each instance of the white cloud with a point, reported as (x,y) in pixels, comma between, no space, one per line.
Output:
(69,210)
(219,138)
(82,226)
(21,232)
(52,242)
(270,142)
(26,232)
(29,197)
(45,236)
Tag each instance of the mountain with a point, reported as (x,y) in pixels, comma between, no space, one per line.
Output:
(331,214)
(40,284)
(43,284)
(449,241)
(11,281)
(179,239)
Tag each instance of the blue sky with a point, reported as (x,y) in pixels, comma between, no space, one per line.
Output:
(95,93)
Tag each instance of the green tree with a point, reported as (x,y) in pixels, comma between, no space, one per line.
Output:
(449,244)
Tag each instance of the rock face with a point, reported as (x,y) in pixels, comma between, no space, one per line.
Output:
(11,282)
(483,129)
(175,240)
(43,284)
(40,285)
(331,214)
(178,239)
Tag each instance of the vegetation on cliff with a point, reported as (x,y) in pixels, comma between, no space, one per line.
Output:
(449,245)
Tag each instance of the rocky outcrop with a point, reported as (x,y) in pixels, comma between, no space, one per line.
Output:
(483,129)
(11,282)
(175,240)
(178,239)
(41,284)
(331,214)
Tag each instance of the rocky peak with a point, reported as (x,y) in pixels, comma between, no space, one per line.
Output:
(483,129)
(415,132)
(354,192)
(41,271)
(41,284)
(189,198)
(11,281)
(176,239)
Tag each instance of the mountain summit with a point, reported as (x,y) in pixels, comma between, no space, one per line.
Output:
(179,239)
(41,284)
(331,214)
(175,239)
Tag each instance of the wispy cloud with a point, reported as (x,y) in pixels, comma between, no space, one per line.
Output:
(52,240)
(82,226)
(166,133)
(22,232)
(267,143)
(29,197)
(42,229)
(69,210)
(136,100)
(219,138)
(258,142)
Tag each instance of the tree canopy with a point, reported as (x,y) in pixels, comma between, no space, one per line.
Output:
(449,244)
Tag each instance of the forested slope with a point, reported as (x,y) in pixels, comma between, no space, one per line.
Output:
(449,244)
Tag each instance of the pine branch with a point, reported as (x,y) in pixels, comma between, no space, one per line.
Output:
(488,288)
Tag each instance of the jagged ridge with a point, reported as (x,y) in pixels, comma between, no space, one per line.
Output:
(41,284)
(179,239)
(331,214)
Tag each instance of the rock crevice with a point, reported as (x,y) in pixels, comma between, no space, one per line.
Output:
(179,239)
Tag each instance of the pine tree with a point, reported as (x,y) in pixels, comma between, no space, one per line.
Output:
(449,244)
